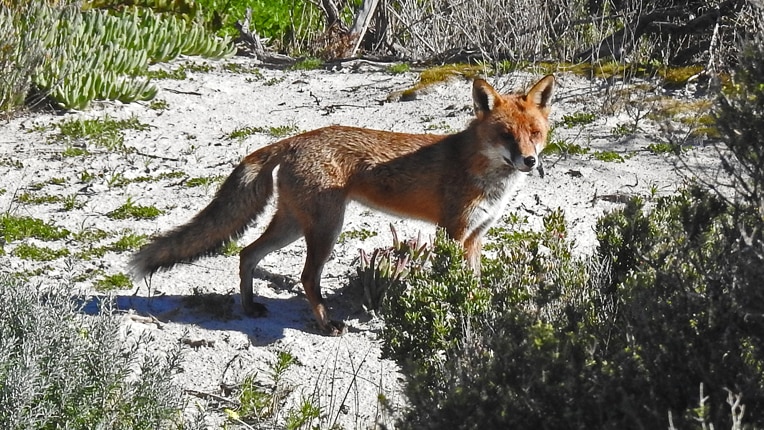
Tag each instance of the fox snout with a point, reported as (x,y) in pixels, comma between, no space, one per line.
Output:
(529,162)
(523,162)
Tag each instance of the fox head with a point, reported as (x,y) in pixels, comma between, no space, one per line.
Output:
(513,128)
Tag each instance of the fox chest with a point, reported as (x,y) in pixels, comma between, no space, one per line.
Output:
(492,201)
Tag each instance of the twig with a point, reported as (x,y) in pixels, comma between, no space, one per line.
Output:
(208,396)
(158,157)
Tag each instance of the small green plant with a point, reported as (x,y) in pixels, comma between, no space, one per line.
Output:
(176,174)
(399,68)
(119,281)
(89,238)
(178,74)
(561,146)
(359,234)
(129,242)
(609,156)
(28,251)
(243,132)
(273,81)
(70,202)
(117,180)
(12,163)
(275,131)
(204,181)
(308,63)
(57,181)
(37,199)
(664,148)
(259,402)
(441,126)
(90,235)
(622,130)
(578,119)
(231,248)
(282,130)
(159,104)
(240,68)
(86,177)
(131,210)
(21,227)
(106,132)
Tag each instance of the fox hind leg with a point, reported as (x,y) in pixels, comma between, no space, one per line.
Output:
(320,237)
(282,230)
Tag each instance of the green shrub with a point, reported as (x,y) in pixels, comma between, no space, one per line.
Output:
(28,251)
(24,30)
(288,23)
(118,281)
(740,119)
(685,286)
(62,369)
(426,311)
(662,323)
(76,56)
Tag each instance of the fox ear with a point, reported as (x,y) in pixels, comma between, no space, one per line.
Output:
(484,97)
(541,93)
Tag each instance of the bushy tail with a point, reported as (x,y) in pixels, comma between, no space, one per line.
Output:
(238,202)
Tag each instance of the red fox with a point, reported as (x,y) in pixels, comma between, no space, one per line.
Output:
(460,182)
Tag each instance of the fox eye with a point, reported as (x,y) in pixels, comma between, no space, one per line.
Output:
(535,134)
(505,135)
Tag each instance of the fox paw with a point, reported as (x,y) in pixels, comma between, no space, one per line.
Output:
(335,328)
(255,310)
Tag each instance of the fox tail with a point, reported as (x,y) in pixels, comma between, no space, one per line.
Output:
(238,202)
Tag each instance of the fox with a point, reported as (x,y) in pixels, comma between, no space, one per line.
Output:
(461,182)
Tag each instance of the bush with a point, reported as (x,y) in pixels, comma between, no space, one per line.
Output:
(663,325)
(61,369)
(426,311)
(740,119)
(22,49)
(77,56)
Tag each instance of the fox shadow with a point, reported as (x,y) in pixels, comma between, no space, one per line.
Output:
(218,311)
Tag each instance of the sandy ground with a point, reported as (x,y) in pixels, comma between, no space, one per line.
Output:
(345,375)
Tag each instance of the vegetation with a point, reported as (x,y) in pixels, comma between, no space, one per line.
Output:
(119,281)
(275,131)
(359,234)
(103,132)
(660,328)
(131,210)
(61,370)
(49,51)
(20,227)
(578,119)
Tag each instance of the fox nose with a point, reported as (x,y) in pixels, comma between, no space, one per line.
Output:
(530,161)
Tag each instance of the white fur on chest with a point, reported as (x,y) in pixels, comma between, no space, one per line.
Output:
(495,199)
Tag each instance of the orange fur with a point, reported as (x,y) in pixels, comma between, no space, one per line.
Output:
(460,182)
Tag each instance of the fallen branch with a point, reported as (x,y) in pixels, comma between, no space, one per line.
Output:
(250,39)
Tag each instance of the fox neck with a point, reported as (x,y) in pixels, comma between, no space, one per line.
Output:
(496,181)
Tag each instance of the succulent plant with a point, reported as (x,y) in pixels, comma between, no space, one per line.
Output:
(100,55)
(386,266)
